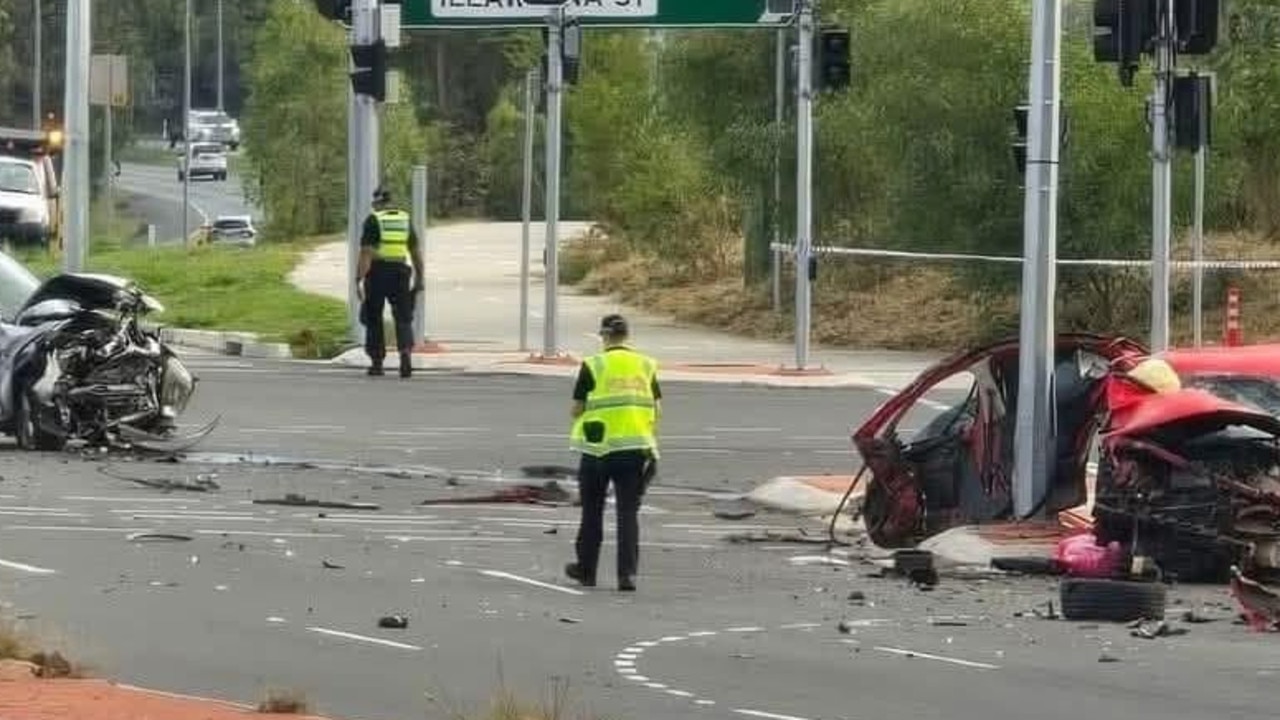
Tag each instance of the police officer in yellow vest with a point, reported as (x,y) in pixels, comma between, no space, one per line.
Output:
(387,245)
(616,411)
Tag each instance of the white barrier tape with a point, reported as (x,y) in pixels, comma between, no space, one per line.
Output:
(1087,262)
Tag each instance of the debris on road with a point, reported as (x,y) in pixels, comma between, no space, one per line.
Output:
(1112,600)
(549,493)
(1027,565)
(393,622)
(329,565)
(1259,605)
(845,627)
(1158,629)
(570,620)
(562,472)
(202,483)
(157,536)
(296,500)
(736,509)
(799,536)
(857,597)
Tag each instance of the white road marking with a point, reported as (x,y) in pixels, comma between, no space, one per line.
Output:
(624,663)
(628,656)
(767,715)
(182,513)
(38,514)
(707,703)
(648,644)
(33,569)
(94,498)
(637,678)
(365,516)
(456,538)
(750,629)
(363,638)
(632,651)
(76,528)
(207,518)
(383,521)
(703,633)
(30,508)
(655,686)
(263,533)
(939,658)
(799,626)
(672,638)
(680,693)
(530,581)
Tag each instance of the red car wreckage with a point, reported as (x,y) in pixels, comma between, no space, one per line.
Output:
(1188,448)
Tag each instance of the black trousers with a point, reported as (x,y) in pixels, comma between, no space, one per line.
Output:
(625,470)
(387,282)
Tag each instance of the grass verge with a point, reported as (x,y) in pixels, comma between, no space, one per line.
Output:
(15,645)
(873,303)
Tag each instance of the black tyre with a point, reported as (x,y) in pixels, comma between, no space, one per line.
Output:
(30,435)
(1112,600)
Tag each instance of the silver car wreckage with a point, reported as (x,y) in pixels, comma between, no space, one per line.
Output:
(76,364)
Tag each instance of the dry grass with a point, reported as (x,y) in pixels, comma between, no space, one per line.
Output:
(284,702)
(16,645)
(894,304)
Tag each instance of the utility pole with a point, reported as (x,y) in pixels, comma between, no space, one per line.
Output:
(779,115)
(526,202)
(555,96)
(804,182)
(354,218)
(186,129)
(75,215)
(367,30)
(420,221)
(1162,176)
(37,69)
(221,91)
(1037,339)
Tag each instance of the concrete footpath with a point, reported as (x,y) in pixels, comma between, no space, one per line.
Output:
(473,317)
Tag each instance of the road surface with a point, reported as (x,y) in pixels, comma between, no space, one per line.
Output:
(158,197)
(266,596)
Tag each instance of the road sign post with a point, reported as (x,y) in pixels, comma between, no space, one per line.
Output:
(526,202)
(420,325)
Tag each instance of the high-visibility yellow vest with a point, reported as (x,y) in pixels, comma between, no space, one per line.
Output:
(622,400)
(393,231)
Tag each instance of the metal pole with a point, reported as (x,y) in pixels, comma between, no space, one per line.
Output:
(1198,275)
(75,215)
(108,173)
(779,110)
(37,69)
(555,79)
(364,149)
(526,203)
(1162,180)
(1034,430)
(354,218)
(221,77)
(804,182)
(420,228)
(186,131)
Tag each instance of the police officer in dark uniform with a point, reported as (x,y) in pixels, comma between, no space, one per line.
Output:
(388,245)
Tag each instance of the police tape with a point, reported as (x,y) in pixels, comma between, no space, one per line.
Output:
(1008,259)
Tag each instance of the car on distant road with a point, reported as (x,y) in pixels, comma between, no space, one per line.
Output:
(207,159)
(233,230)
(215,126)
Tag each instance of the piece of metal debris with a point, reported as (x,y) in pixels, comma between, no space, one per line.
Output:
(394,622)
(845,627)
(549,493)
(328,565)
(296,500)
(157,537)
(551,531)
(1194,618)
(570,620)
(1108,658)
(1159,629)
(857,597)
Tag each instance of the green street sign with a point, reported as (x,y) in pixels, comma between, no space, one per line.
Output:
(425,14)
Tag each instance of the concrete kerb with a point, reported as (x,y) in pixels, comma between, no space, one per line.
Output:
(239,344)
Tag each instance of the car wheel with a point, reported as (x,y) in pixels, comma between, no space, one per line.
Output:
(1112,600)
(30,435)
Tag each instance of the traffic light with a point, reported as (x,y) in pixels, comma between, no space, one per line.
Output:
(833,58)
(336,10)
(1122,31)
(570,50)
(1192,111)
(1197,22)
(1020,145)
(370,76)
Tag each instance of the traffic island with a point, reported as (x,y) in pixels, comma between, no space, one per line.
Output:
(32,698)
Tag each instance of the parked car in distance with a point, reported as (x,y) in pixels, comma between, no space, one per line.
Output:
(233,230)
(24,201)
(207,159)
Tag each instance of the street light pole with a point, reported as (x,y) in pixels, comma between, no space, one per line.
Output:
(1037,339)
(75,216)
(37,70)
(526,203)
(1161,178)
(221,98)
(555,95)
(186,128)
(804,183)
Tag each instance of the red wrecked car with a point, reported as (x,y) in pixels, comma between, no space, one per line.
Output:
(1188,467)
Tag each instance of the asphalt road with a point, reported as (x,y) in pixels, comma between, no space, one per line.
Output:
(158,198)
(717,630)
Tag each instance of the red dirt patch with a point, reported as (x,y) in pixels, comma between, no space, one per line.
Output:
(99,700)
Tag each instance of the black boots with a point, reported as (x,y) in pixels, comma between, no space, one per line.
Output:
(406,365)
(575,572)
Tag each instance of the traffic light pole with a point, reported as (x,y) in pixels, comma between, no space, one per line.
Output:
(804,182)
(526,202)
(555,96)
(1162,177)
(1037,338)
(75,216)
(367,30)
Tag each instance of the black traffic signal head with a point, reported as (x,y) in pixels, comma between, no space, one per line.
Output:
(370,75)
(1197,22)
(1020,145)
(833,58)
(337,10)
(1122,31)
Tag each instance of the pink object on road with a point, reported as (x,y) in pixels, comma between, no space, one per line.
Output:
(1081,556)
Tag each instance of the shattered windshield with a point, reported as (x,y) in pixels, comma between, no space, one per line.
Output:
(1255,392)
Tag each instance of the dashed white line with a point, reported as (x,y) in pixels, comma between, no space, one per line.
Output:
(703,633)
(672,638)
(767,715)
(204,518)
(939,658)
(363,638)
(97,498)
(33,569)
(530,581)
(799,626)
(76,528)
(41,514)
(749,629)
(680,693)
